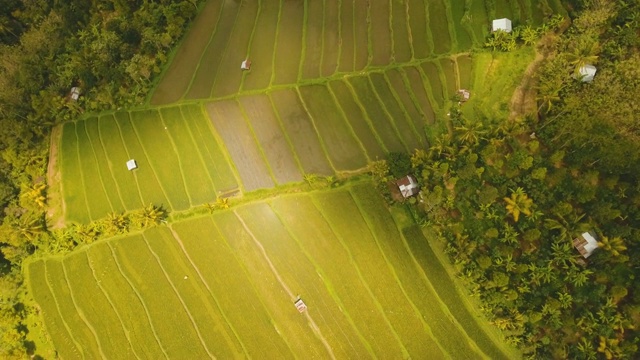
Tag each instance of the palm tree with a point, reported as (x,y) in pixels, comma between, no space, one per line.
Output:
(615,246)
(116,223)
(518,203)
(583,54)
(310,178)
(151,215)
(222,203)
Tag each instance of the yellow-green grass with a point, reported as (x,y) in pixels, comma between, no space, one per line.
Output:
(435,85)
(300,130)
(331,44)
(72,187)
(376,273)
(262,47)
(537,15)
(502,9)
(465,67)
(188,56)
(479,20)
(221,269)
(197,181)
(164,303)
(265,125)
(229,121)
(338,272)
(311,60)
(229,75)
(204,312)
(416,284)
(357,119)
(58,330)
(275,295)
(145,175)
(402,50)
(216,162)
(210,62)
(461,24)
(448,69)
(346,63)
(344,150)
(419,26)
(441,281)
(418,115)
(361,33)
(83,332)
(439,25)
(96,308)
(106,173)
(363,92)
(117,157)
(162,156)
(99,203)
(394,108)
(289,43)
(299,273)
(380,37)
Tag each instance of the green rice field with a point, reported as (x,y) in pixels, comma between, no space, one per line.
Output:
(220,286)
(333,85)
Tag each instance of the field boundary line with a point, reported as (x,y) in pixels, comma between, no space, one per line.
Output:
(77,346)
(146,154)
(213,34)
(369,32)
(313,122)
(144,306)
(339,37)
(250,42)
(224,52)
(286,134)
(402,107)
(221,145)
(353,33)
(55,299)
(275,272)
(126,149)
(426,85)
(414,98)
(200,156)
(365,116)
(314,201)
(456,70)
(275,45)
(256,141)
(109,163)
(395,275)
(391,119)
(106,295)
(303,50)
(427,14)
(84,184)
(392,45)
(443,79)
(184,306)
(81,313)
(175,150)
(453,34)
(176,236)
(409,33)
(321,61)
(327,284)
(347,122)
(445,309)
(95,157)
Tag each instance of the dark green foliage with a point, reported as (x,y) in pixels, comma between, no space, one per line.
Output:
(399,164)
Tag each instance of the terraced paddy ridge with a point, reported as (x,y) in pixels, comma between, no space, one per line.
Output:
(224,286)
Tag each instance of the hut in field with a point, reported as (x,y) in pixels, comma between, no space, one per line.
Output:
(74,94)
(503,24)
(408,186)
(246,65)
(132,165)
(586,244)
(587,73)
(464,94)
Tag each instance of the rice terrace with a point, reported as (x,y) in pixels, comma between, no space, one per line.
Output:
(332,87)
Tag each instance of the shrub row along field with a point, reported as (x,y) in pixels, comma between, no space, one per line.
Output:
(292,41)
(271,139)
(221,286)
(180,162)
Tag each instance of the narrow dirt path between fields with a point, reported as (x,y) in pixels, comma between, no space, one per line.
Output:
(523,101)
(313,324)
(55,201)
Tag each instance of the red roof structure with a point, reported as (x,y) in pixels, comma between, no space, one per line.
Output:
(408,186)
